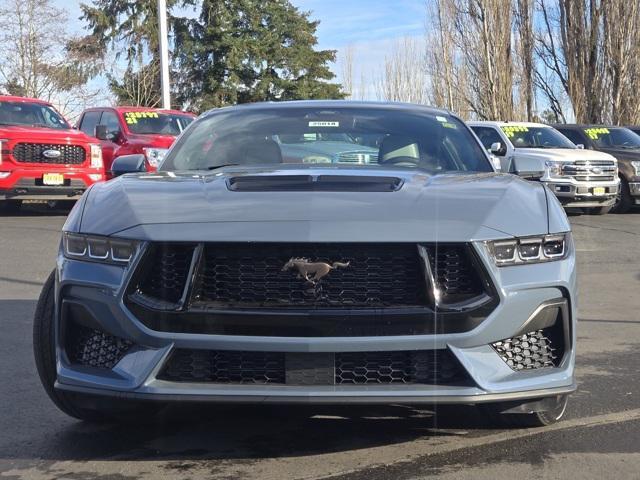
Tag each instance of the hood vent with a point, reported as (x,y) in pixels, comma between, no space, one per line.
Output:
(309,183)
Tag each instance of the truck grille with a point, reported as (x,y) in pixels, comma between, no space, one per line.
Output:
(592,170)
(33,153)
(427,367)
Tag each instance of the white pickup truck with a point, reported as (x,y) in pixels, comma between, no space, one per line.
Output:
(580,178)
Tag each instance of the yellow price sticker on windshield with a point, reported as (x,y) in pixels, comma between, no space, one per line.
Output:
(132,117)
(511,130)
(594,133)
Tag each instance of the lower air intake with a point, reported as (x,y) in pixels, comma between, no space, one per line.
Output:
(429,367)
(530,351)
(98,349)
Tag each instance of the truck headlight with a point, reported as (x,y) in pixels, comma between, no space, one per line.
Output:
(636,166)
(527,250)
(155,155)
(96,248)
(554,168)
(96,156)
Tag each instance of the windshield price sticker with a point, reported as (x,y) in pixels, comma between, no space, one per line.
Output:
(132,117)
(324,124)
(594,133)
(511,130)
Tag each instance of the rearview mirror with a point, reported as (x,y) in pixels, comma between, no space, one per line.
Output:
(498,149)
(101,132)
(128,164)
(528,168)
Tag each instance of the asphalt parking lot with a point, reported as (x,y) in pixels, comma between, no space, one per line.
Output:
(600,437)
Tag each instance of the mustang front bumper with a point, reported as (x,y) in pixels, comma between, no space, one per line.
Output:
(524,291)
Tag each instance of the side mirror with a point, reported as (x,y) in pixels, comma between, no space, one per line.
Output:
(128,164)
(580,146)
(101,132)
(498,149)
(528,168)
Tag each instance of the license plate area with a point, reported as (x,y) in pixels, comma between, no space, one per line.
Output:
(53,179)
(599,191)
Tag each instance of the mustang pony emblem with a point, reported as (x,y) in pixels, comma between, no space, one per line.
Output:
(312,272)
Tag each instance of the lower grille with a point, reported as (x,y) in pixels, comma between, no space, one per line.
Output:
(533,350)
(33,153)
(224,367)
(429,367)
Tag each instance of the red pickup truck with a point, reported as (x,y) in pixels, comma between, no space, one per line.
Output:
(41,156)
(128,130)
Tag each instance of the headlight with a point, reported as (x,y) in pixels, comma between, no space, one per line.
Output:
(96,156)
(636,166)
(98,249)
(554,168)
(526,250)
(155,155)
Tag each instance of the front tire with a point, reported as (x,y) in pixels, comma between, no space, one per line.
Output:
(555,413)
(73,404)
(623,198)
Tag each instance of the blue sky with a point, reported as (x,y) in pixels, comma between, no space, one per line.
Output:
(344,22)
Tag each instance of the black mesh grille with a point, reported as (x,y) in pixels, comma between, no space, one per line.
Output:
(94,348)
(224,367)
(165,271)
(454,272)
(403,367)
(33,153)
(426,367)
(253,275)
(538,349)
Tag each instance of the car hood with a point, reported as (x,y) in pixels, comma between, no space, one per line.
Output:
(37,134)
(624,154)
(152,140)
(564,154)
(201,207)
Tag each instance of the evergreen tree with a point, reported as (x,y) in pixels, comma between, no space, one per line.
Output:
(241,51)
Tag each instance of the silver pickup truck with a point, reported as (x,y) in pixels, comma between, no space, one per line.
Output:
(580,178)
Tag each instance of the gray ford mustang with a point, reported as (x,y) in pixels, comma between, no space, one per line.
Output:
(234,274)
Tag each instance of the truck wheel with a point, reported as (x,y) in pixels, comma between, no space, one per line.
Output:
(599,210)
(10,206)
(73,404)
(529,420)
(623,198)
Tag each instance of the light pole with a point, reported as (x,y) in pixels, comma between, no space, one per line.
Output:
(164,53)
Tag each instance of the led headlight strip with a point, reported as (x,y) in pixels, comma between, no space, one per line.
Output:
(98,248)
(527,250)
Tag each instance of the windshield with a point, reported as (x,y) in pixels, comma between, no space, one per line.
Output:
(613,137)
(154,122)
(31,115)
(536,137)
(364,137)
